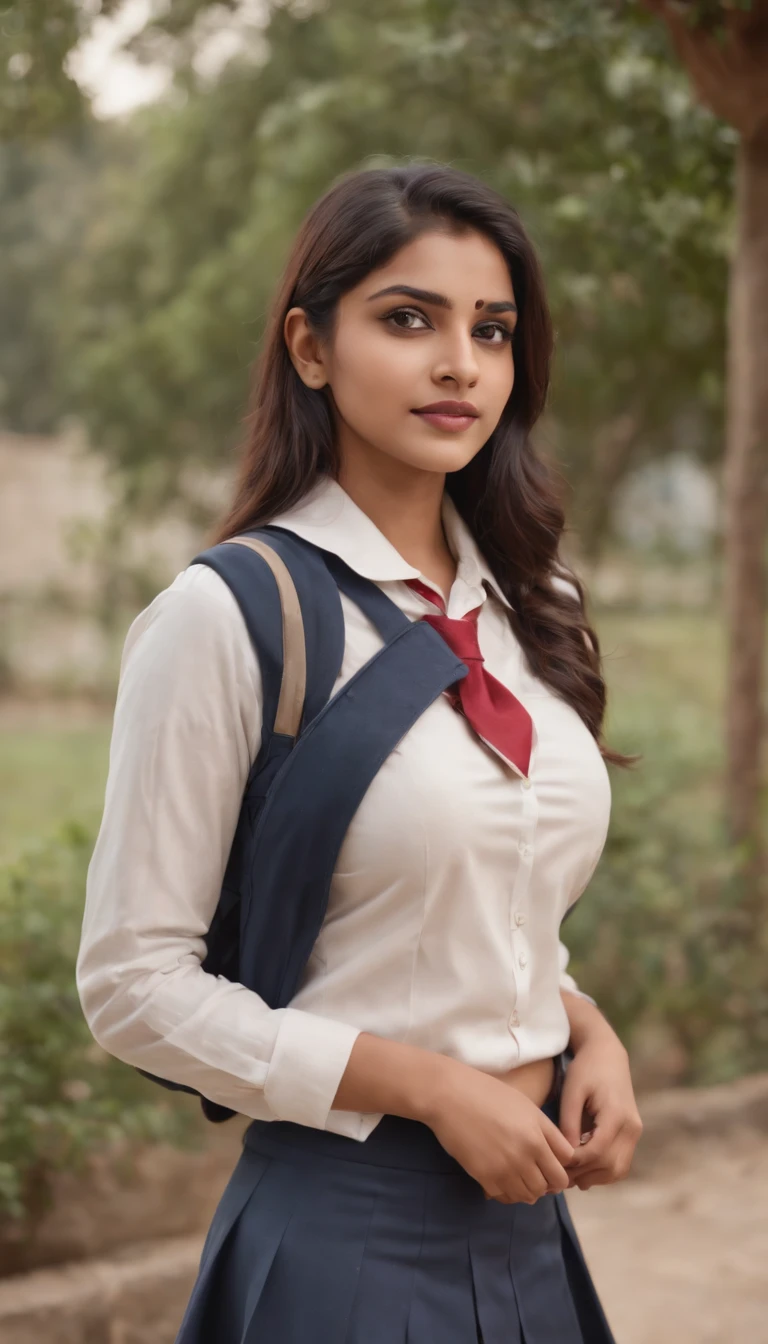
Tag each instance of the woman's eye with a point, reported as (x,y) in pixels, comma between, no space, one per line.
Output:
(403,312)
(493,327)
(499,334)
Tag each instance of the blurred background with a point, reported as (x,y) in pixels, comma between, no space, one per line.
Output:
(156,159)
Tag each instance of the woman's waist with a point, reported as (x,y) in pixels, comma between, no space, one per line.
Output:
(394,1142)
(535,1079)
(501,1034)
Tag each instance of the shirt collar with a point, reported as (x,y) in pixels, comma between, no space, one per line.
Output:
(328,517)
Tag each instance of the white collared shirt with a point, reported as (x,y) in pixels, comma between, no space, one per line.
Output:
(442,927)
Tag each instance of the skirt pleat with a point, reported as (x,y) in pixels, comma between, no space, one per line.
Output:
(442,1305)
(490,1242)
(320,1239)
(544,1299)
(212,1308)
(307,1291)
(382,1301)
(592,1318)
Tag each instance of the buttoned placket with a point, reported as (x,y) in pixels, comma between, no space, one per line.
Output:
(464,597)
(519,904)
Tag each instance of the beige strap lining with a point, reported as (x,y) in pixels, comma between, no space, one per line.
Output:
(294,684)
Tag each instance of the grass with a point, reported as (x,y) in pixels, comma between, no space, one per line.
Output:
(666,684)
(656,939)
(50,769)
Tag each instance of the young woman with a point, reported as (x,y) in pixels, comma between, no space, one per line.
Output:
(413,1125)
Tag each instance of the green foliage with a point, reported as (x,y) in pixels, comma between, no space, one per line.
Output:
(713,15)
(51,769)
(44,202)
(61,1095)
(582,119)
(37,93)
(661,937)
(667,937)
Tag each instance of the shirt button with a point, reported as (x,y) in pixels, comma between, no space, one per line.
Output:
(514,1020)
(522,959)
(524,848)
(519,919)
(526,783)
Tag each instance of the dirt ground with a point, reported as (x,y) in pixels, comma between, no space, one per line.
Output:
(680,1254)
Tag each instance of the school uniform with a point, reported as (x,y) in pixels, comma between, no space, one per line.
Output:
(442,929)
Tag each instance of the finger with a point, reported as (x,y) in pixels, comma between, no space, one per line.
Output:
(594,1178)
(614,1167)
(524,1194)
(535,1186)
(552,1171)
(604,1136)
(582,1157)
(557,1142)
(572,1104)
(529,1190)
(582,1151)
(577,1178)
(587,1163)
(619,1162)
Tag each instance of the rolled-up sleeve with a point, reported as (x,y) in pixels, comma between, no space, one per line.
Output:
(187,725)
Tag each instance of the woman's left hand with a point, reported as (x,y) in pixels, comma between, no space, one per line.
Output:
(598,1082)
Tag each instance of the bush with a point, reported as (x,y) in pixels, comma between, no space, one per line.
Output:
(667,937)
(61,1095)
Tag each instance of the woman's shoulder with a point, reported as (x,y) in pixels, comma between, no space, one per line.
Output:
(195,617)
(195,591)
(200,584)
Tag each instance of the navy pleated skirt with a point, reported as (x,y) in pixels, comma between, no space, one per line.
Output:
(323,1239)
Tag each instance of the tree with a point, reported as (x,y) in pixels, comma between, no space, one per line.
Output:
(627,184)
(37,93)
(45,189)
(587,125)
(724,48)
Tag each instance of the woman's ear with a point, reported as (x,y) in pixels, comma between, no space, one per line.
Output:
(303,348)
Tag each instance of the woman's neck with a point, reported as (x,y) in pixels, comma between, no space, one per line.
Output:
(406,506)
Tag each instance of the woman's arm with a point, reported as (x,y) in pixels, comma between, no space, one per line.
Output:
(585,1019)
(501,1137)
(187,725)
(597,1098)
(567,981)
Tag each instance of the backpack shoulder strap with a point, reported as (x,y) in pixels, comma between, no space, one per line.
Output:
(293,681)
(292,611)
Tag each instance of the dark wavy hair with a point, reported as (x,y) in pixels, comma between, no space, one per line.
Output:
(506,495)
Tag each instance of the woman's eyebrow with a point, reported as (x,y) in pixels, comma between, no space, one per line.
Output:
(439,300)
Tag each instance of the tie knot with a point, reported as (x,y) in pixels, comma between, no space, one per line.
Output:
(495,714)
(460,634)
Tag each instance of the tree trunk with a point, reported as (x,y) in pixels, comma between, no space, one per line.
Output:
(729,69)
(746,500)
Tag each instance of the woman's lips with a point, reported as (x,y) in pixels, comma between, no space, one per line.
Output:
(443,420)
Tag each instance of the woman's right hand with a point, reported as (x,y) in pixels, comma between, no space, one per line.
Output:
(500,1137)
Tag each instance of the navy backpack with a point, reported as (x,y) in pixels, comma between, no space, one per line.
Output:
(319,752)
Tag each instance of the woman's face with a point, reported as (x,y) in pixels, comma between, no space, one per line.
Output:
(392,353)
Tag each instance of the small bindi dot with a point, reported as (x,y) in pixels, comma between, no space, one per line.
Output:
(480,303)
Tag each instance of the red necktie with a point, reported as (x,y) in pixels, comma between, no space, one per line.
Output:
(494,712)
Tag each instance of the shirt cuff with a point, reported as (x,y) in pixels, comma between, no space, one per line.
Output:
(307,1065)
